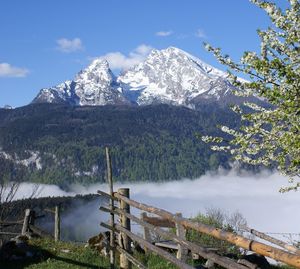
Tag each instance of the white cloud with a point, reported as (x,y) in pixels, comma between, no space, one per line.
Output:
(256,196)
(200,33)
(118,60)
(69,45)
(164,33)
(7,70)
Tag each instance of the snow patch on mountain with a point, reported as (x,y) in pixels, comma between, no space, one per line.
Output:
(170,76)
(34,159)
(94,85)
(173,76)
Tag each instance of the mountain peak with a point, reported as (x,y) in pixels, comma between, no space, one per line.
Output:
(170,76)
(98,71)
(98,63)
(176,50)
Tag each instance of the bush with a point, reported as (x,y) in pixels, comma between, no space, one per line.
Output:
(221,220)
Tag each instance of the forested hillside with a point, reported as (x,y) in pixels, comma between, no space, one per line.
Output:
(62,144)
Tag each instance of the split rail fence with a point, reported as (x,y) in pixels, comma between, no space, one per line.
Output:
(29,224)
(121,235)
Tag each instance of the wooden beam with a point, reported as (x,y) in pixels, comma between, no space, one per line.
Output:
(259,248)
(124,240)
(146,233)
(154,249)
(6,223)
(57,224)
(111,206)
(271,239)
(40,232)
(49,210)
(205,253)
(160,222)
(108,227)
(167,244)
(26,221)
(248,264)
(137,263)
(9,233)
(181,233)
(106,195)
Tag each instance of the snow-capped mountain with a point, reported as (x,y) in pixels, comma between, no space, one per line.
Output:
(175,77)
(170,76)
(95,85)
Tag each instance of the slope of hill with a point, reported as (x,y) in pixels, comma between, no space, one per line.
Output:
(62,144)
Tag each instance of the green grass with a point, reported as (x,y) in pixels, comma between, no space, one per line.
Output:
(56,255)
(61,255)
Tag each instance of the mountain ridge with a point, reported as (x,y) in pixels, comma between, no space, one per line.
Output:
(168,76)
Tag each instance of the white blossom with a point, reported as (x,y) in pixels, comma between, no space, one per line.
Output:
(269,135)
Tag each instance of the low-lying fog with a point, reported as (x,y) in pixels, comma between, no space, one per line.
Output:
(256,197)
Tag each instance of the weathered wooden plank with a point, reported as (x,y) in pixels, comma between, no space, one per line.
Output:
(258,247)
(154,249)
(40,232)
(111,205)
(108,227)
(146,234)
(167,244)
(223,261)
(160,222)
(181,233)
(271,239)
(137,263)
(49,210)
(106,195)
(9,233)
(124,240)
(6,223)
(248,264)
(26,221)
(57,224)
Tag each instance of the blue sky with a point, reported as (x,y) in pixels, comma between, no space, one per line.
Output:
(43,43)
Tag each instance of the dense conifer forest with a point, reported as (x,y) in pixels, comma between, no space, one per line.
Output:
(148,143)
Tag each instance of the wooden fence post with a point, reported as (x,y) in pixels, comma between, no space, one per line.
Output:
(124,240)
(31,218)
(111,205)
(181,233)
(146,235)
(26,221)
(57,224)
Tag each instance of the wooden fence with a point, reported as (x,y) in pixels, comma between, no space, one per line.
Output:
(121,231)
(28,224)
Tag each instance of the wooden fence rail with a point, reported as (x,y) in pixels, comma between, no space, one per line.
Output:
(203,252)
(28,224)
(240,241)
(10,223)
(271,239)
(171,220)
